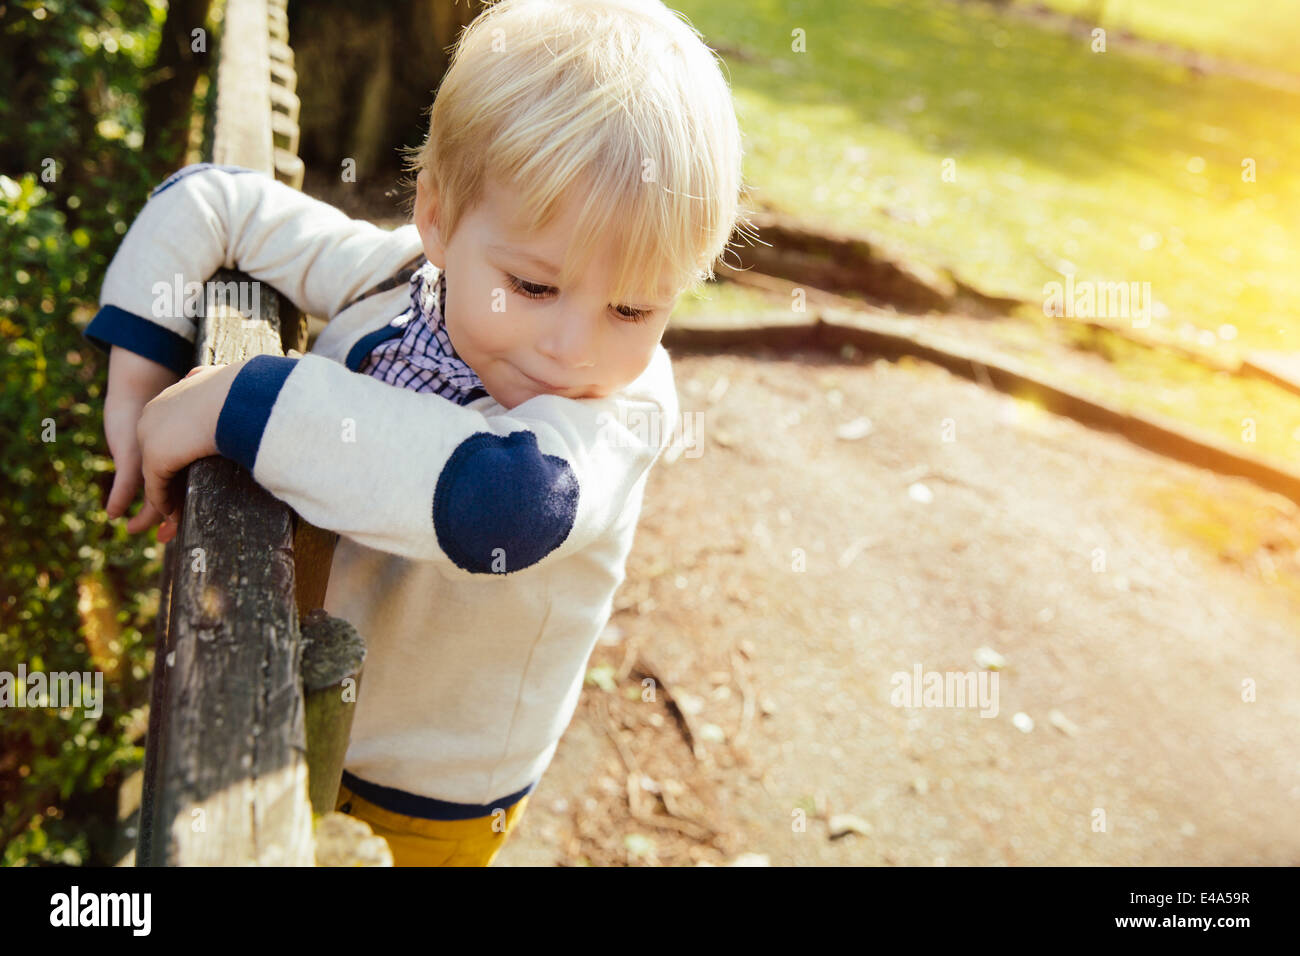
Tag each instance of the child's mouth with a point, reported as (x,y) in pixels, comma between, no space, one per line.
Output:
(540,383)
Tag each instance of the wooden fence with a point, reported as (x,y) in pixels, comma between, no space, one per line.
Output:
(253,684)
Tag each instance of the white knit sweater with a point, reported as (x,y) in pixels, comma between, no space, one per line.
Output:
(480,548)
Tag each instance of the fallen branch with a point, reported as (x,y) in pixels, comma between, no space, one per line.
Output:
(684,721)
(636,797)
(746,686)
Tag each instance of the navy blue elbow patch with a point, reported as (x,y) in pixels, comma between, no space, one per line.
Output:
(501,505)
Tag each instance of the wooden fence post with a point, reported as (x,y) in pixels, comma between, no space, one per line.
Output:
(227,756)
(333,653)
(228,783)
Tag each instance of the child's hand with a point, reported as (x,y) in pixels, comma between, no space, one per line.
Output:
(177,427)
(120,419)
(132,381)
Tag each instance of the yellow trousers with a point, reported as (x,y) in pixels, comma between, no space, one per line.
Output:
(418,842)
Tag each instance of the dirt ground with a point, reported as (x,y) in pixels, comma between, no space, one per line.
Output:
(1146,613)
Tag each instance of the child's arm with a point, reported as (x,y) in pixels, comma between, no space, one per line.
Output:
(416,475)
(198,220)
(206,217)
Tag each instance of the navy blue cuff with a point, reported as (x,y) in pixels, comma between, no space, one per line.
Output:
(427,808)
(248,406)
(113,326)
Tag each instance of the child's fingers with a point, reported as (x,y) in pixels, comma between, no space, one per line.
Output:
(167,531)
(120,431)
(157,493)
(144,519)
(204,368)
(125,484)
(158,474)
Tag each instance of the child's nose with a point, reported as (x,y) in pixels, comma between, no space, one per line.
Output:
(570,344)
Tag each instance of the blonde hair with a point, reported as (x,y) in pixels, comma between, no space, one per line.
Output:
(617,101)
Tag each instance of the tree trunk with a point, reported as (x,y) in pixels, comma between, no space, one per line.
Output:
(169,98)
(367,75)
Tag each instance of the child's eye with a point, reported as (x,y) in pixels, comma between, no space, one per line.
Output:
(530,289)
(631,314)
(534,290)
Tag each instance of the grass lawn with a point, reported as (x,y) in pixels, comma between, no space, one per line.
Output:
(1264,33)
(1110,166)
(1114,167)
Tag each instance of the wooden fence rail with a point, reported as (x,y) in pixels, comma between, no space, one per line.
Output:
(237,756)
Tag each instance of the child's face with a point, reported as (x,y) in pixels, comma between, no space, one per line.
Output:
(575,340)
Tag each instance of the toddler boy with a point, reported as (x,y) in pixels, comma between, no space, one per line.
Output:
(479,416)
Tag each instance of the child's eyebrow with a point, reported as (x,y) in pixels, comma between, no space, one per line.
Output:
(523,254)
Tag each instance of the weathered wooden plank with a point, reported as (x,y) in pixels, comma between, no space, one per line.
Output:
(242,135)
(226,771)
(157,704)
(229,785)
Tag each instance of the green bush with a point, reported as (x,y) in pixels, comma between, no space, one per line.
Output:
(76,592)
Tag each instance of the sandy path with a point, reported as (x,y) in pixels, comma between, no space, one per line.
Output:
(1142,646)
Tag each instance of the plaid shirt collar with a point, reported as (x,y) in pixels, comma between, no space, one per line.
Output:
(423,358)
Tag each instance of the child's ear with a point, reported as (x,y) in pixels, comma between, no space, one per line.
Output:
(426,216)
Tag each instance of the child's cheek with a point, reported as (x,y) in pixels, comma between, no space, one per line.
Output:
(497,331)
(480,321)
